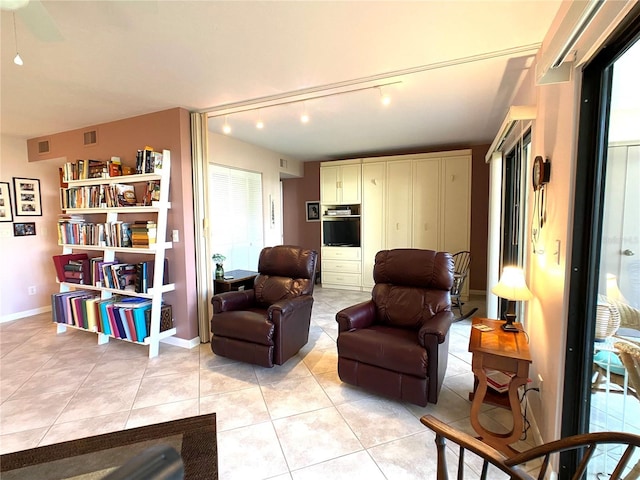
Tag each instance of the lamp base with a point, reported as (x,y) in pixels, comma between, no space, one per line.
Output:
(508,326)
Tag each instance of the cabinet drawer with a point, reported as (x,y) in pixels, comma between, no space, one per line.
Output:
(341,266)
(341,253)
(341,278)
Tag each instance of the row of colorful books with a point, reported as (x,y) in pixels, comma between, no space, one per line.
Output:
(84,169)
(76,231)
(134,277)
(108,196)
(120,317)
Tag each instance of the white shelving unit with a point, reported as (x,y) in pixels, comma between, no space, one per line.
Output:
(158,250)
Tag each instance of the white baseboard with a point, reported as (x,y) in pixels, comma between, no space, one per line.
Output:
(26,313)
(181,342)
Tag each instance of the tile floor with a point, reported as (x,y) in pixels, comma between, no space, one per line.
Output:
(295,421)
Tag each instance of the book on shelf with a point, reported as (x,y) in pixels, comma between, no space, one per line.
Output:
(166,318)
(126,195)
(115,167)
(143,233)
(149,161)
(152,192)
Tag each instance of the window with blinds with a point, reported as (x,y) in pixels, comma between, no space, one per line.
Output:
(236,226)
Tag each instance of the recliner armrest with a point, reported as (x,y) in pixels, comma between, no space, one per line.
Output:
(439,326)
(230,301)
(289,305)
(356,316)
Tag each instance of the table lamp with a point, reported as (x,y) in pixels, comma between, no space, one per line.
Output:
(512,287)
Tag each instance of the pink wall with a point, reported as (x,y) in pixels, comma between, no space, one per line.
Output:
(169,129)
(297,191)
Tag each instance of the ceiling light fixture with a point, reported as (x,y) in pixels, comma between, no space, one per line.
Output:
(385,98)
(259,123)
(17,59)
(226,129)
(304,118)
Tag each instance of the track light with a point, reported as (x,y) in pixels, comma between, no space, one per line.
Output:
(304,118)
(226,129)
(17,59)
(259,123)
(385,99)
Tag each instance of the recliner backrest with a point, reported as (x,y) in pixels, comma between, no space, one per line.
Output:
(284,271)
(412,286)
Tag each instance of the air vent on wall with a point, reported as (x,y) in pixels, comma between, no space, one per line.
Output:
(90,137)
(43,147)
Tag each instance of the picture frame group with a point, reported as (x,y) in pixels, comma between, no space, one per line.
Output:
(6,212)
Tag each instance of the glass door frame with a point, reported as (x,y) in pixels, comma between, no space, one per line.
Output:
(592,145)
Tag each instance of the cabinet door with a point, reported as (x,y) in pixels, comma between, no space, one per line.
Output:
(350,176)
(426,204)
(373,199)
(398,218)
(456,197)
(329,177)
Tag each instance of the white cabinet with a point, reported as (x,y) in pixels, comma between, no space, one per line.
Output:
(415,201)
(399,205)
(341,267)
(374,194)
(340,182)
(156,212)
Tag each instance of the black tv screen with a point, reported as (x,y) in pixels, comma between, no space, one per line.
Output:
(341,233)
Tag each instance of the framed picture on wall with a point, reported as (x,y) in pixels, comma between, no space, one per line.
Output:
(6,213)
(26,193)
(313,211)
(24,229)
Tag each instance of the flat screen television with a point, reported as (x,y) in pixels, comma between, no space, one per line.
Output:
(341,233)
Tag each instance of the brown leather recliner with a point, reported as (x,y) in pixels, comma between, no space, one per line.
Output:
(269,323)
(397,343)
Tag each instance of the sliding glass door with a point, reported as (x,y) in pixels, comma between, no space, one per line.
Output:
(604,304)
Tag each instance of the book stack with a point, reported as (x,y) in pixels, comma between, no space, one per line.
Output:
(143,233)
(73,268)
(499,381)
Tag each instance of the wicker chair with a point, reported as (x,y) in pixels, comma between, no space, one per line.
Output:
(585,445)
(461,265)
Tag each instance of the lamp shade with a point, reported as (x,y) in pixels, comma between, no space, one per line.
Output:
(512,285)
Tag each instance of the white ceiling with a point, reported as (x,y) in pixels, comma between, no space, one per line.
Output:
(91,62)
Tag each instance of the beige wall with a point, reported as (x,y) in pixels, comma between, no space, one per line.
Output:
(169,129)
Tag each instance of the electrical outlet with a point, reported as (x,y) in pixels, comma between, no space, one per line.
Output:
(540,382)
(176,236)
(31,290)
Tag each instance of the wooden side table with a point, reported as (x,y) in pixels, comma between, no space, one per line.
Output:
(234,280)
(509,353)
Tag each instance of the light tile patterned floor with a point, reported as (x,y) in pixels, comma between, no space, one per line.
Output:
(295,421)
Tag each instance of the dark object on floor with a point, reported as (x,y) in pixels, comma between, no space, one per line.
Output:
(511,466)
(194,438)
(461,265)
(267,324)
(397,343)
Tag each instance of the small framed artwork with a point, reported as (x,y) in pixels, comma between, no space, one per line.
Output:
(313,211)
(6,214)
(24,229)
(26,193)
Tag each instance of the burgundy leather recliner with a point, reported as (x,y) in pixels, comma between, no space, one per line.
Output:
(268,324)
(397,343)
